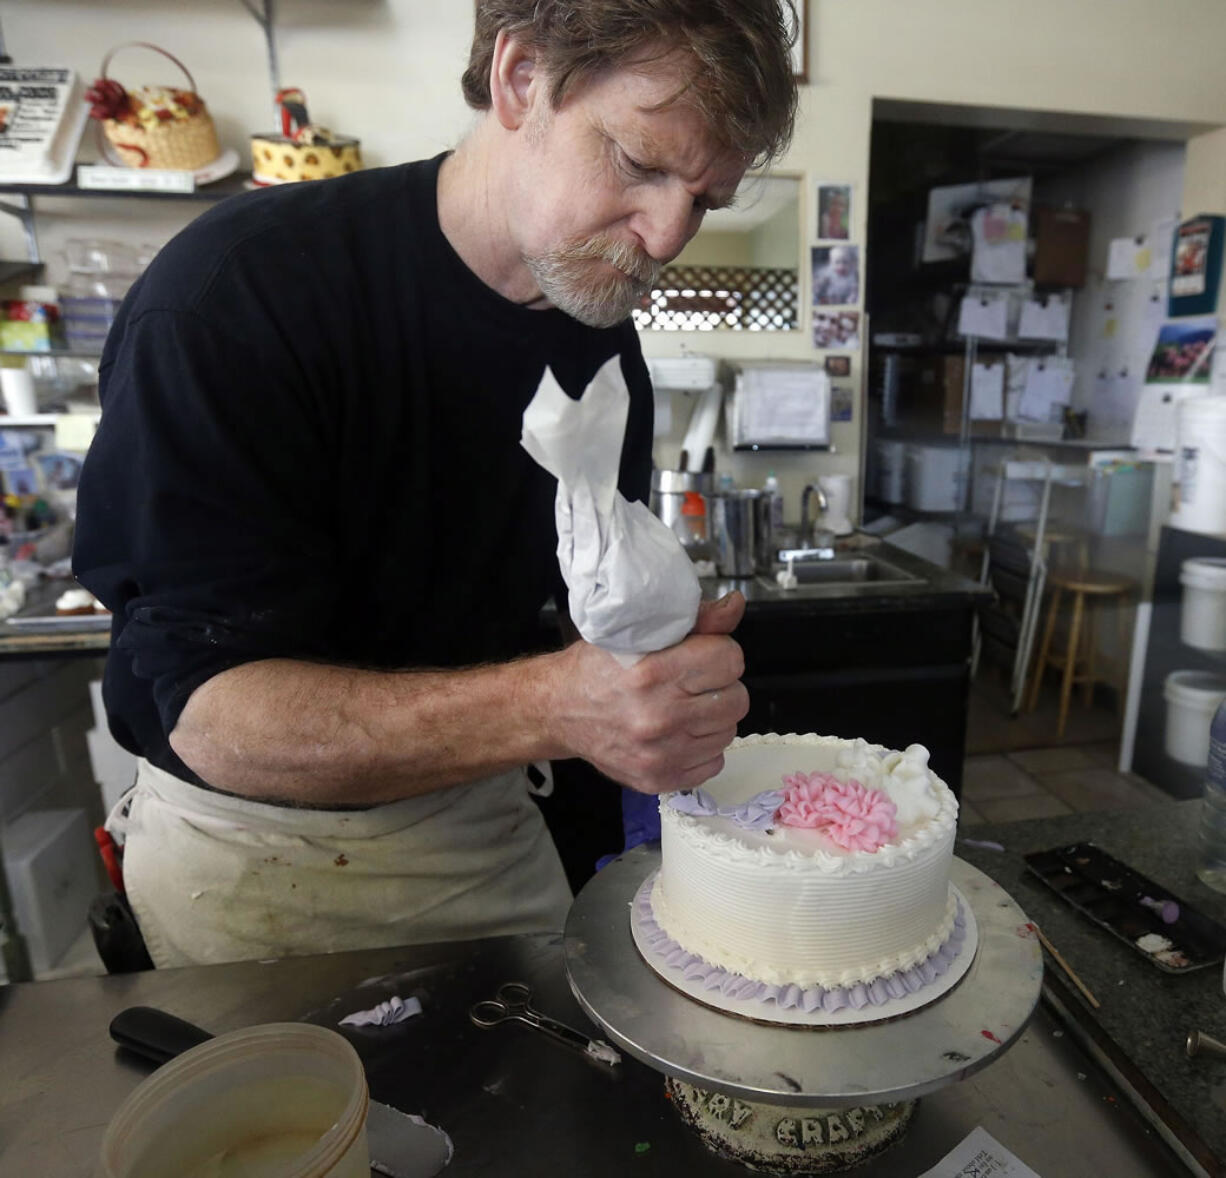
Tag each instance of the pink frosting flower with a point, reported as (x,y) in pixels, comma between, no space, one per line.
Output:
(856,818)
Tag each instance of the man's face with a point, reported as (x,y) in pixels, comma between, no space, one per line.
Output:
(611,190)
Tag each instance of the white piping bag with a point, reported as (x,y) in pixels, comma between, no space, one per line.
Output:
(632,587)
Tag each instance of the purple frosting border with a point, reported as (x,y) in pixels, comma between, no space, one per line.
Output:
(791,996)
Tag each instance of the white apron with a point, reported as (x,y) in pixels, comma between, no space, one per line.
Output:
(212,877)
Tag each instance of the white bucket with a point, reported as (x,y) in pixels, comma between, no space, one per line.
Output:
(1202,621)
(284,1099)
(936,478)
(891,470)
(1200,466)
(1191,699)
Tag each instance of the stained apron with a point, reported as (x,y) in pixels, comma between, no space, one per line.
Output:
(212,877)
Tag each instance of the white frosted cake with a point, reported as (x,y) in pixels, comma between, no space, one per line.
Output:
(812,872)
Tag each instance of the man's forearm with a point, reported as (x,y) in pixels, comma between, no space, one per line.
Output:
(327,735)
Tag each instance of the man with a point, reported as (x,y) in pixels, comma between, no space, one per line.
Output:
(325,549)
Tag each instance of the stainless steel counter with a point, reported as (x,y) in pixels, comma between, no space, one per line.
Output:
(514,1102)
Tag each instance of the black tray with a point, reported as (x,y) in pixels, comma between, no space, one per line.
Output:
(1131,906)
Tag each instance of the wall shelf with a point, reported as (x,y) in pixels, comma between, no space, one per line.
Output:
(218,190)
(62,352)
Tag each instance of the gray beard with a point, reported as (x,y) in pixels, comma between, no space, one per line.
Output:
(562,275)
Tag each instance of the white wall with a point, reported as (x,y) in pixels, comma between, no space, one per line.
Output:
(1127,192)
(387,70)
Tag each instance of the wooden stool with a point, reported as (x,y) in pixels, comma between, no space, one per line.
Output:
(1059,538)
(1087,589)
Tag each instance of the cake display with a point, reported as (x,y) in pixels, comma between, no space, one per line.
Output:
(154,126)
(811,875)
(302,151)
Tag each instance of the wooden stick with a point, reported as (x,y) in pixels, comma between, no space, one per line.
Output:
(1068,969)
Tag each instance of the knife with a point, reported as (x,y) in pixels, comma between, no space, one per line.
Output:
(401,1146)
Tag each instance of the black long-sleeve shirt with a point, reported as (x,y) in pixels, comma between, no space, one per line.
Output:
(309,448)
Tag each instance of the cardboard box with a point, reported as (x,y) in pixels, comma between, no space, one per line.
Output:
(950,375)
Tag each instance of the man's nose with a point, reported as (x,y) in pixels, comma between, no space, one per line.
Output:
(666,221)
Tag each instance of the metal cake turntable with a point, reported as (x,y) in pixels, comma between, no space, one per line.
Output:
(798,1099)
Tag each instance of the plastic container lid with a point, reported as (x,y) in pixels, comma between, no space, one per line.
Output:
(1204,572)
(1198,689)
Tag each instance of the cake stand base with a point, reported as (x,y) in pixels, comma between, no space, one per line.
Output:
(774,1139)
(801,1067)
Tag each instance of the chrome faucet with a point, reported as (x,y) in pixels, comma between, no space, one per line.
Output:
(806,526)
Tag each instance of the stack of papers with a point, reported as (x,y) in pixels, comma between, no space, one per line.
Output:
(781,405)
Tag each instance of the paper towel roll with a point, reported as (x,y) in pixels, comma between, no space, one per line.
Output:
(17,389)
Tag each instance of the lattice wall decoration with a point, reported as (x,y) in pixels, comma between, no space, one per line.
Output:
(722,298)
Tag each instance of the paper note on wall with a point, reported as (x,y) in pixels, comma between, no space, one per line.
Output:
(984,316)
(1114,399)
(987,392)
(1129,257)
(1044,319)
(1153,424)
(999,233)
(1049,386)
(1108,320)
(1016,368)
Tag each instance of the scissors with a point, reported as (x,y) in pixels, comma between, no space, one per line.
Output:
(513,1002)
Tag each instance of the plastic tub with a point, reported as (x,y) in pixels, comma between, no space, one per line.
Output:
(1200,466)
(1191,699)
(1202,621)
(283,1099)
(936,478)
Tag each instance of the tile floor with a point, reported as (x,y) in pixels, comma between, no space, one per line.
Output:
(1017,768)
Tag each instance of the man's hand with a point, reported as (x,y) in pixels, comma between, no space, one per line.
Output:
(664,723)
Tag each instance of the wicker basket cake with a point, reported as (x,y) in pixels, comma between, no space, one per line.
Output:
(153,126)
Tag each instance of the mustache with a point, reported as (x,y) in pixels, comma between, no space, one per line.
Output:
(629,259)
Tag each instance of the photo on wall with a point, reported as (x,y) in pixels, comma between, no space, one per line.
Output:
(834,211)
(836,275)
(1184,351)
(838,365)
(837,329)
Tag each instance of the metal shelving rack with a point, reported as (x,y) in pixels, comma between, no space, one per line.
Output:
(17,200)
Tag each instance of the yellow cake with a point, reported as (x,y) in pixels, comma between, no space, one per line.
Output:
(302,151)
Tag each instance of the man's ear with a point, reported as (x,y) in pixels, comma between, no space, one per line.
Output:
(515,83)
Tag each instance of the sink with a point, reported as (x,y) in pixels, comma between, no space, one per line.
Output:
(855,570)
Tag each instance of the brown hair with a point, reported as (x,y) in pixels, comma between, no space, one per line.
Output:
(741,79)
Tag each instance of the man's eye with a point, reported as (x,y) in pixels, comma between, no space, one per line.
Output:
(632,165)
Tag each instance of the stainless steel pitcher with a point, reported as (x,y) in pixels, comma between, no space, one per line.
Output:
(668,489)
(741,522)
